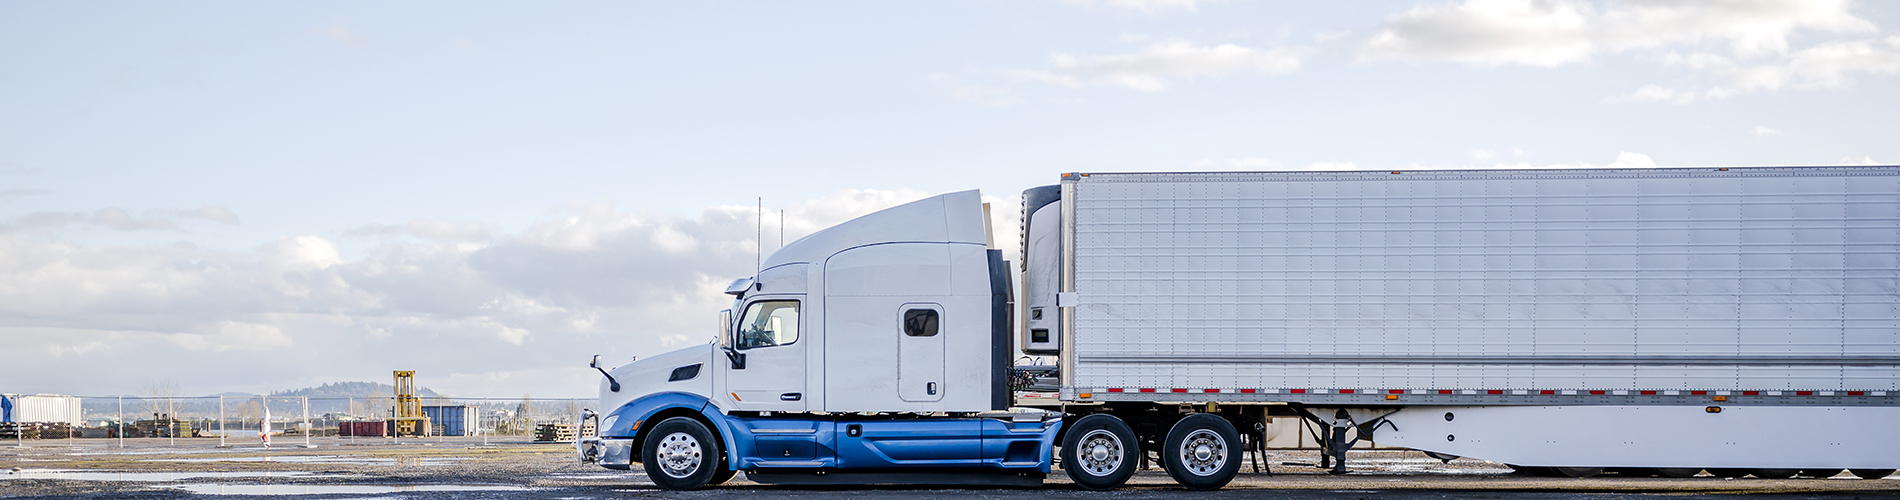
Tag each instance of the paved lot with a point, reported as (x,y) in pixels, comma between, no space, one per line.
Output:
(458,468)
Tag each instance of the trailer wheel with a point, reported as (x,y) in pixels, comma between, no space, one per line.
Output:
(1202,451)
(1099,452)
(680,454)
(1871,473)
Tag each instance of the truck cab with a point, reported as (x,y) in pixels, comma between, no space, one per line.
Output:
(873,351)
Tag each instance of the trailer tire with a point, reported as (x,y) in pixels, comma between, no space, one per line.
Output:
(1099,452)
(681,454)
(1202,451)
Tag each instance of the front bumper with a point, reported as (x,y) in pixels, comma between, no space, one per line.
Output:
(611,453)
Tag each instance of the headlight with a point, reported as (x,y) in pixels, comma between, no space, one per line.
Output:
(607,424)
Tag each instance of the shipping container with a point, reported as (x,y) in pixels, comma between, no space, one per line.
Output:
(44,408)
(456,420)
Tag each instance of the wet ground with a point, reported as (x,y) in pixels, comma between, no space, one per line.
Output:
(467,468)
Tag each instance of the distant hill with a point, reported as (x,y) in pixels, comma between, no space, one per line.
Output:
(352,390)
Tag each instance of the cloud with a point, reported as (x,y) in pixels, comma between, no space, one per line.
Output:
(11,194)
(1735,47)
(1558,32)
(1148,6)
(1864,160)
(118,219)
(587,278)
(1826,66)
(1761,131)
(1481,154)
(1151,69)
(995,97)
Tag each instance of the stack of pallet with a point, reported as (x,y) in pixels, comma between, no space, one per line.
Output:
(554,432)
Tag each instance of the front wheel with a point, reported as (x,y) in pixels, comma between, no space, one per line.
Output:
(1099,452)
(680,454)
(1202,451)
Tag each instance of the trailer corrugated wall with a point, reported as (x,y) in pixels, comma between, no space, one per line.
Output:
(1488,283)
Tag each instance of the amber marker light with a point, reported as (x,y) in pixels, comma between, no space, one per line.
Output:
(1713,409)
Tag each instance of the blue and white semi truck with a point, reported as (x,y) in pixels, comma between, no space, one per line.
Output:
(1738,321)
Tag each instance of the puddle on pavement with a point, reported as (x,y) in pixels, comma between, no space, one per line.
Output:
(329,459)
(322,489)
(87,475)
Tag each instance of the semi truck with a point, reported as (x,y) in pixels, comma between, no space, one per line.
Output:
(1663,321)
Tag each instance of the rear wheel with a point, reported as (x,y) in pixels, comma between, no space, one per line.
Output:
(1202,451)
(1099,452)
(680,454)
(1871,473)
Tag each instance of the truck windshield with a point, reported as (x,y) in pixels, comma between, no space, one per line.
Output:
(769,323)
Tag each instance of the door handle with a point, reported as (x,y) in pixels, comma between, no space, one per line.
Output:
(790,396)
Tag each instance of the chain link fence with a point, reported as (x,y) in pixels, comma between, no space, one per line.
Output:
(48,420)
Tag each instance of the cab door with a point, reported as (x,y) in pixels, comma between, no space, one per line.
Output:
(772,377)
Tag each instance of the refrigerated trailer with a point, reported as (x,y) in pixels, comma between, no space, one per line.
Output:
(1656,321)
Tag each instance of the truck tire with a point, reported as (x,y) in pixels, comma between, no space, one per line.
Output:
(680,454)
(1099,452)
(1202,451)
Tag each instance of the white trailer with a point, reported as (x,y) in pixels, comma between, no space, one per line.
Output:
(1657,321)
(1561,321)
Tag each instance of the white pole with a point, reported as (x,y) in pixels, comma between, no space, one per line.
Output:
(306,422)
(121,422)
(221,432)
(172,407)
(478,421)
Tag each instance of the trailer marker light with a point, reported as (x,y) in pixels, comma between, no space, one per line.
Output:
(1721,398)
(1751,393)
(1298,391)
(1345,391)
(1713,409)
(1147,389)
(735,396)
(1649,393)
(1444,391)
(1247,391)
(1856,393)
(1115,389)
(1546,392)
(1699,393)
(1396,391)
(1596,393)
(1178,390)
(1211,390)
(1087,395)
(1494,391)
(1391,396)
(1804,393)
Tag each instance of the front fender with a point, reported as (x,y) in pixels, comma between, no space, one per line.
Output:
(628,419)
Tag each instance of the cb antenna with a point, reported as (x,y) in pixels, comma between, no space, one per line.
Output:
(781,228)
(758,249)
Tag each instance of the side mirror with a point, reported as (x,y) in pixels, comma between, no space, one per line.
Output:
(725,341)
(612,385)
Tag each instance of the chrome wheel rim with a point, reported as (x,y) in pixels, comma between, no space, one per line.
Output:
(679,455)
(1099,453)
(1203,452)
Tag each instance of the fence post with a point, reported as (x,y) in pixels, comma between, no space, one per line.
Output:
(221,433)
(306,422)
(121,422)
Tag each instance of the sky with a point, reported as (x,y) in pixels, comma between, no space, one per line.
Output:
(261,196)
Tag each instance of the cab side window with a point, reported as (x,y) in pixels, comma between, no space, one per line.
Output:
(769,323)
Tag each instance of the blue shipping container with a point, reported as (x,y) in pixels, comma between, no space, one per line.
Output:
(455,420)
